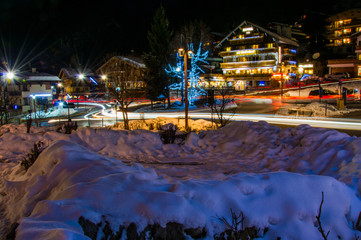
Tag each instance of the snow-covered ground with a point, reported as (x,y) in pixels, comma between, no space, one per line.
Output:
(314,109)
(274,176)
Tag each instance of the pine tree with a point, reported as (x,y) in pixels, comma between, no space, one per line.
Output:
(159,38)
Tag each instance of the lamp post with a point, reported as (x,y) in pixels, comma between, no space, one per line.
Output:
(300,71)
(80,77)
(8,77)
(186,54)
(104,77)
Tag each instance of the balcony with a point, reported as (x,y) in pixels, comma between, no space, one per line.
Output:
(247,52)
(251,64)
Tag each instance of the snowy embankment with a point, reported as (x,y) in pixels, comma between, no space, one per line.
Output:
(131,176)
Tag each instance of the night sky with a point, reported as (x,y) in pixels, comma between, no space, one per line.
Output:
(56,29)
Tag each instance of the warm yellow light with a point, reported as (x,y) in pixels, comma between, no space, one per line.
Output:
(190,54)
(181,52)
(300,70)
(10,75)
(104,77)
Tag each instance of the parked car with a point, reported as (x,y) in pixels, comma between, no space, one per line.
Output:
(340,75)
(68,105)
(325,92)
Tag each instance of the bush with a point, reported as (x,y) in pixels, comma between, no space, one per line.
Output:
(32,156)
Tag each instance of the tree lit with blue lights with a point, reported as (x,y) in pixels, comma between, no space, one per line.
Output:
(193,72)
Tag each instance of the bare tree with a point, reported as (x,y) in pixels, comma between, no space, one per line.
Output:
(218,106)
(124,94)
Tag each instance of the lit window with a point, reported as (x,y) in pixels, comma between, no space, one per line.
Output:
(270,45)
(348,21)
(358,29)
(255,46)
(359,57)
(228,49)
(241,36)
(338,33)
(346,40)
(359,71)
(338,42)
(347,31)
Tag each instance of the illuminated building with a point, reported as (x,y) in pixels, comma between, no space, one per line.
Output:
(38,90)
(119,70)
(256,57)
(341,29)
(349,65)
(73,84)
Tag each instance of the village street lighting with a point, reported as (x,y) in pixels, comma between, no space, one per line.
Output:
(104,77)
(300,72)
(8,76)
(80,77)
(186,54)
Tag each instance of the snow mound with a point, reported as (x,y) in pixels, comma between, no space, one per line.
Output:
(68,181)
(315,109)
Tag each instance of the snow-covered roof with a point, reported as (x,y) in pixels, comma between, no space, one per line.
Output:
(279,38)
(43,77)
(73,73)
(138,62)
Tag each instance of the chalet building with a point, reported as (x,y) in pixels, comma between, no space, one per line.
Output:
(126,72)
(76,81)
(340,30)
(38,90)
(256,57)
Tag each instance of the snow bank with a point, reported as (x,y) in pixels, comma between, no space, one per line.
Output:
(315,109)
(69,181)
(130,176)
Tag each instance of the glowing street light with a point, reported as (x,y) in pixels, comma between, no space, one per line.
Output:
(105,78)
(80,77)
(10,75)
(7,76)
(185,54)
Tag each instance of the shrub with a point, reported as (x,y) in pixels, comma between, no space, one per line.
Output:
(32,156)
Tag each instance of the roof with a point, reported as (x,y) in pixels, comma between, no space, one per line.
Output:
(279,38)
(349,14)
(73,73)
(43,77)
(138,62)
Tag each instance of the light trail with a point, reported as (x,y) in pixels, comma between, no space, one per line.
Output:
(333,123)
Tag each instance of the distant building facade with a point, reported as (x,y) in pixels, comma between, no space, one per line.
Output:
(340,30)
(73,84)
(121,71)
(256,57)
(38,90)
(349,65)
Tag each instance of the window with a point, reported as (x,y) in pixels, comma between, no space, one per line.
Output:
(338,42)
(359,71)
(347,31)
(26,101)
(255,46)
(346,41)
(270,45)
(348,21)
(358,29)
(228,49)
(338,33)
(241,36)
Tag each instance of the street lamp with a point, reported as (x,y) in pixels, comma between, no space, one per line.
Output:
(186,54)
(8,77)
(104,77)
(300,71)
(80,77)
